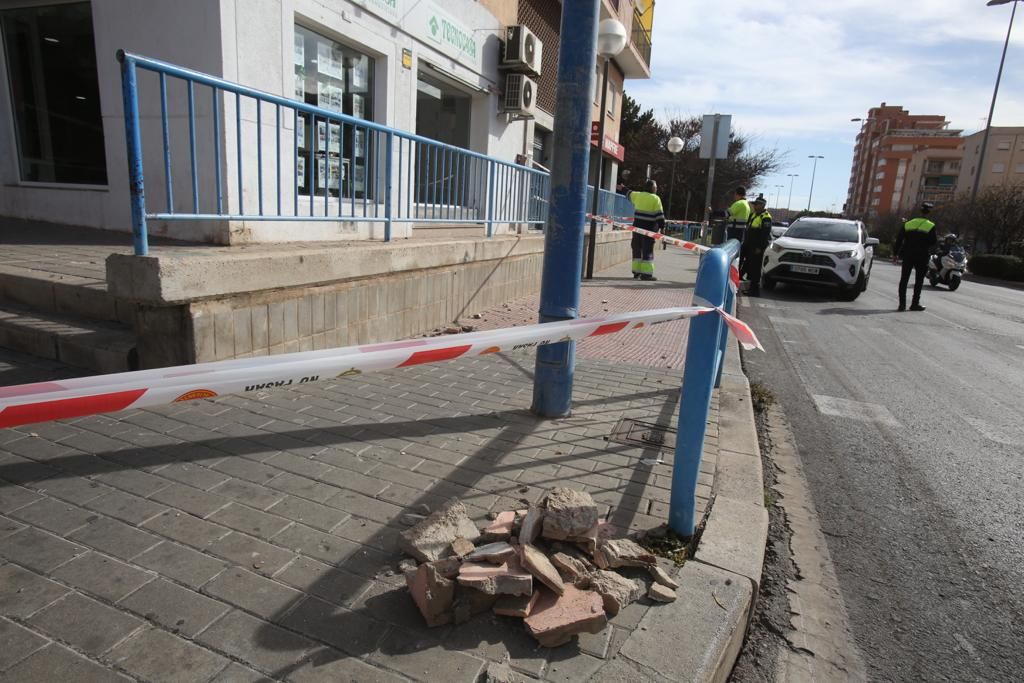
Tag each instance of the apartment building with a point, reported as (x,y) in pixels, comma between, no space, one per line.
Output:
(1004,159)
(888,139)
(431,68)
(932,175)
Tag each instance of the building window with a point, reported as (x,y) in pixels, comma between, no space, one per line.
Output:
(876,201)
(934,167)
(613,94)
(55,95)
(954,166)
(1019,168)
(998,168)
(333,76)
(879,175)
(1003,145)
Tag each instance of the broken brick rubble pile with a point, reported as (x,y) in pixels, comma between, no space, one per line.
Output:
(551,564)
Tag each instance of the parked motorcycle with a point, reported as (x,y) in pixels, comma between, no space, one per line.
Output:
(950,270)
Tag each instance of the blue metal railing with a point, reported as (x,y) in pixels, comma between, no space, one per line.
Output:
(344,168)
(705,353)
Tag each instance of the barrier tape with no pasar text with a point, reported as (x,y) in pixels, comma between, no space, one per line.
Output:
(64,399)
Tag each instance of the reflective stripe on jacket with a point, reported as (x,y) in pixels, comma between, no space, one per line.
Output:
(647,211)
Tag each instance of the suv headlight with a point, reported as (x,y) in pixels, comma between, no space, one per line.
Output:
(775,247)
(845,254)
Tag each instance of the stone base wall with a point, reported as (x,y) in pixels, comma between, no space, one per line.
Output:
(376,308)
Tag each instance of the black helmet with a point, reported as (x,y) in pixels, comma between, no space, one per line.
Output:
(926,207)
(760,200)
(951,238)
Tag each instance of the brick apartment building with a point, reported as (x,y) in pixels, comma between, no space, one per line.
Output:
(886,144)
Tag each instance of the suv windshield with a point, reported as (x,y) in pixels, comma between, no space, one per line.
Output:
(828,232)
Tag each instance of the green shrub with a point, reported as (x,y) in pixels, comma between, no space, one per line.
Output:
(998,266)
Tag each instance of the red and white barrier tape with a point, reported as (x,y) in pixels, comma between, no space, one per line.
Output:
(64,399)
(734,272)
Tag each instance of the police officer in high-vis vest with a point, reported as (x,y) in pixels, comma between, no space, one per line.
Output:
(738,215)
(649,215)
(914,244)
(759,230)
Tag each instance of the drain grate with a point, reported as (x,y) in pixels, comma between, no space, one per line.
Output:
(632,432)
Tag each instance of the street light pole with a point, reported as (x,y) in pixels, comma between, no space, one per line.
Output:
(814,171)
(778,194)
(992,106)
(675,145)
(792,177)
(611,40)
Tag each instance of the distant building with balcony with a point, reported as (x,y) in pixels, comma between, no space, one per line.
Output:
(888,139)
(931,176)
(1004,159)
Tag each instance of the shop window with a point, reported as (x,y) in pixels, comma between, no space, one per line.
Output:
(55,97)
(335,77)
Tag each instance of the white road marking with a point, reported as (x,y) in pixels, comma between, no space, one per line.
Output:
(854,410)
(779,320)
(873,330)
(763,304)
(1020,346)
(1004,434)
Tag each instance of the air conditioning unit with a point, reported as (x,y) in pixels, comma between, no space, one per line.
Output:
(520,95)
(522,50)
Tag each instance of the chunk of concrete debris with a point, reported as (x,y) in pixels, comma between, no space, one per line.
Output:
(516,605)
(538,564)
(556,619)
(569,567)
(407,565)
(500,672)
(616,591)
(469,602)
(495,553)
(448,567)
(588,540)
(568,513)
(531,525)
(461,547)
(660,576)
(500,529)
(660,593)
(622,552)
(432,593)
(508,578)
(431,539)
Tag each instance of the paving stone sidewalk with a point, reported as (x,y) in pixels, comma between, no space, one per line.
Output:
(254,537)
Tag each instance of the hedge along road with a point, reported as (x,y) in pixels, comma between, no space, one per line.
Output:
(911,429)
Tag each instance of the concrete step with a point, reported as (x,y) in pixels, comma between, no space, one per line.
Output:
(91,344)
(64,294)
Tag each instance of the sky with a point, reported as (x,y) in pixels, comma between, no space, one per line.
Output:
(792,73)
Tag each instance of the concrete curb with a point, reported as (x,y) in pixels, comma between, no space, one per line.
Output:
(718,588)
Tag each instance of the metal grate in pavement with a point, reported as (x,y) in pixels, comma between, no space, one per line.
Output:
(633,432)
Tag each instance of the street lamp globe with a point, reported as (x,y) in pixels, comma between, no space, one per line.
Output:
(611,37)
(675,145)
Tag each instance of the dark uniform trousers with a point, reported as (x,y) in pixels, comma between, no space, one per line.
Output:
(919,264)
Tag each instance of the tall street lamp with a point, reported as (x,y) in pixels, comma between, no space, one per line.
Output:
(992,107)
(675,146)
(813,172)
(611,40)
(791,176)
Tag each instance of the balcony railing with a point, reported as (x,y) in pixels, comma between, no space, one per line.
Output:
(641,39)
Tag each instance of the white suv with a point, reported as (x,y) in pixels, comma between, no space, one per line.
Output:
(831,252)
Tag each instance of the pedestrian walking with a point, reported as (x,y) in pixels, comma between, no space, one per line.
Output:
(759,231)
(914,244)
(648,214)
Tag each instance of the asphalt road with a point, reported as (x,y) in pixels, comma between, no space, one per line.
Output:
(911,430)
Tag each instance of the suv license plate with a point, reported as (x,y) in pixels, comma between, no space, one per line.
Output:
(809,270)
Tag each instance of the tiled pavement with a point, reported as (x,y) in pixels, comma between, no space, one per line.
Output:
(254,537)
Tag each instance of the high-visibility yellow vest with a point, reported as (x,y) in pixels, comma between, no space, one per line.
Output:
(646,202)
(756,221)
(918,225)
(739,212)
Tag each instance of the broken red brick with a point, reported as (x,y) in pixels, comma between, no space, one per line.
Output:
(530,528)
(495,553)
(503,579)
(569,567)
(501,528)
(517,605)
(537,563)
(661,593)
(556,619)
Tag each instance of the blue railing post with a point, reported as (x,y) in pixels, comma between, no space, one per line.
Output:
(563,238)
(704,353)
(133,142)
(388,153)
(492,177)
